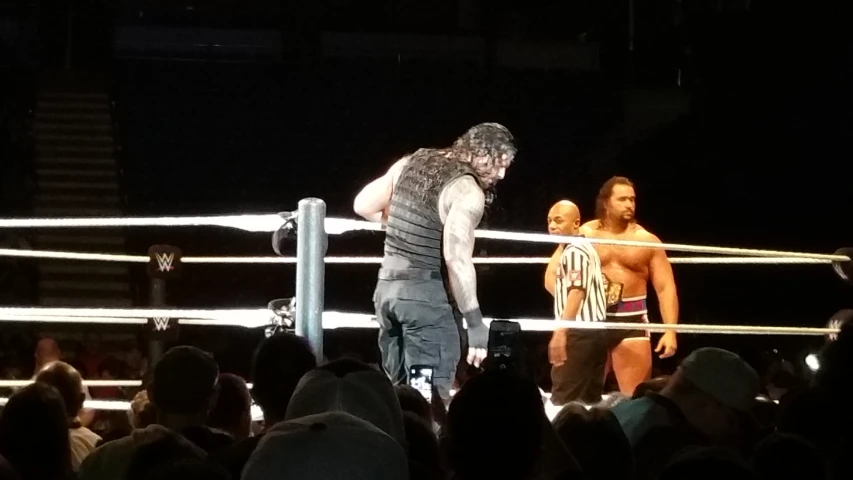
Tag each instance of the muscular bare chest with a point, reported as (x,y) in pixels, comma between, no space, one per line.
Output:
(634,259)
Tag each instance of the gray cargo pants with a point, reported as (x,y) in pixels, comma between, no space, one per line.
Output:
(416,326)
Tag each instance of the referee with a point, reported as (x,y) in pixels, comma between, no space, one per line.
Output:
(578,357)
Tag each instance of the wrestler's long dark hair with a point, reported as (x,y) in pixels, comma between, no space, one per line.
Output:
(604,196)
(479,151)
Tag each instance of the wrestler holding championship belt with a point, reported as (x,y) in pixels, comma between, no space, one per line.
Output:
(627,272)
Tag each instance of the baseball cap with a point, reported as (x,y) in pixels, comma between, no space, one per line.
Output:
(367,395)
(328,445)
(722,375)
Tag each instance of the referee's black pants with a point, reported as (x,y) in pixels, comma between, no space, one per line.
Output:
(416,327)
(581,377)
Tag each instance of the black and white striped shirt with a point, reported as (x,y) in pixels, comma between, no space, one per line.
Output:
(580,267)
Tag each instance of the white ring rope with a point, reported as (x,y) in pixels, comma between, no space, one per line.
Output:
(250,318)
(249,223)
(341,225)
(357,260)
(335,226)
(333,320)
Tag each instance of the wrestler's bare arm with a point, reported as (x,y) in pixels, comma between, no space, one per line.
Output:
(663,280)
(462,203)
(372,201)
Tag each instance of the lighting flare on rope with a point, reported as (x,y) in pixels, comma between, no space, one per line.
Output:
(342,225)
(273,222)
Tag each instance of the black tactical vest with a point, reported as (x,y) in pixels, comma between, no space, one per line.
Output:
(414,228)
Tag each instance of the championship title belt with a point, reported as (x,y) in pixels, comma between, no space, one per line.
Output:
(612,291)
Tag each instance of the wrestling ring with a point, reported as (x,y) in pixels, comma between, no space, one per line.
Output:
(305,312)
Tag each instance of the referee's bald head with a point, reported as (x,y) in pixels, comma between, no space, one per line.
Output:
(564,218)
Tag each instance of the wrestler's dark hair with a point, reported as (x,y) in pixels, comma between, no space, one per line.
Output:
(483,146)
(605,193)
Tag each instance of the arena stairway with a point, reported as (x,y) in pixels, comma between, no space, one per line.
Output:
(77,176)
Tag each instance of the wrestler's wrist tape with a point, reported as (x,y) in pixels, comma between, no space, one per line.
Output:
(473,318)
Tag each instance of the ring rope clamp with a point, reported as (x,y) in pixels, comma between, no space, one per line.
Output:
(283,315)
(287,231)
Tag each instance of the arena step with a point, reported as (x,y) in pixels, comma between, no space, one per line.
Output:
(55,212)
(88,149)
(46,126)
(73,117)
(90,285)
(87,107)
(71,185)
(93,243)
(48,199)
(83,269)
(75,161)
(108,302)
(91,97)
(73,138)
(77,172)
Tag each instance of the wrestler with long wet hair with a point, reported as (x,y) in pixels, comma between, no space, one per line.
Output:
(432,201)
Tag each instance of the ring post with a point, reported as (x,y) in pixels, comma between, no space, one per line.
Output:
(164,263)
(311,272)
(156,299)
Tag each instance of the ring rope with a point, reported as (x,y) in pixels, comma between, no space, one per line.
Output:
(336,226)
(251,223)
(334,320)
(357,260)
(343,225)
(250,318)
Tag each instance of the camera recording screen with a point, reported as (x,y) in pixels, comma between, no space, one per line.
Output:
(420,378)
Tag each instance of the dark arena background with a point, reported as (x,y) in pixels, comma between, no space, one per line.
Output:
(732,119)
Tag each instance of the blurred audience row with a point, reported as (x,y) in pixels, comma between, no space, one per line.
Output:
(345,420)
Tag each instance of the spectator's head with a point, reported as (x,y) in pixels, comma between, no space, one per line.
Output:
(496,404)
(34,433)
(183,387)
(788,457)
(654,385)
(142,412)
(352,387)
(47,350)
(706,464)
(280,362)
(425,462)
(68,382)
(597,441)
(412,401)
(232,412)
(328,445)
(111,368)
(713,388)
(168,449)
